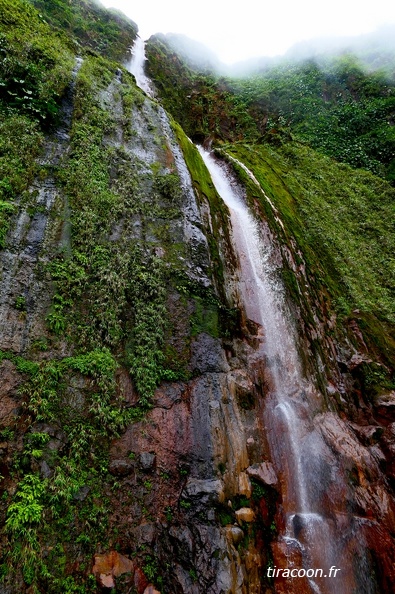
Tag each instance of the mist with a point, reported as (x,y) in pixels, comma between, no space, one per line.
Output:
(253,29)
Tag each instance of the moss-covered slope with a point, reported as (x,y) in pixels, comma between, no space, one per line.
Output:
(333,105)
(99,298)
(89,24)
(342,221)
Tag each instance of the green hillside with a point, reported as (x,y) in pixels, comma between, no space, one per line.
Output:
(320,138)
(334,105)
(127,398)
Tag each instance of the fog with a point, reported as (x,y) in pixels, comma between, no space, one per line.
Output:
(256,27)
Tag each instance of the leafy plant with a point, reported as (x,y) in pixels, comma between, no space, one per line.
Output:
(27,509)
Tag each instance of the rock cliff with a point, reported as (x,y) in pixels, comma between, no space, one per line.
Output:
(133,433)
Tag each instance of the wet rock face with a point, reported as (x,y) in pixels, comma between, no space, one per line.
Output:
(193,497)
(24,298)
(175,478)
(8,392)
(197,436)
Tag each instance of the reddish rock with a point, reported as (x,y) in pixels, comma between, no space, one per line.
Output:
(140,581)
(121,467)
(235,534)
(263,472)
(264,511)
(150,589)
(125,387)
(110,565)
(8,385)
(106,580)
(385,408)
(288,555)
(368,434)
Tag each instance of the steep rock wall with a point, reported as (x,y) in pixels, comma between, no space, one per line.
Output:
(108,289)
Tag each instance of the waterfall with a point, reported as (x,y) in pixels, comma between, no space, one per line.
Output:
(297,449)
(314,535)
(136,67)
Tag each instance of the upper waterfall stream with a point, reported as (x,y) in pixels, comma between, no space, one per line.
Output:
(136,67)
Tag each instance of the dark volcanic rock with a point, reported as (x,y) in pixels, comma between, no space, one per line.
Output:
(208,355)
(121,467)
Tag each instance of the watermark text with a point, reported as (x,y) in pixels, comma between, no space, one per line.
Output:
(295,573)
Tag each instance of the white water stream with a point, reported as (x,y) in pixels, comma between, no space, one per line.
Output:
(136,67)
(310,539)
(291,397)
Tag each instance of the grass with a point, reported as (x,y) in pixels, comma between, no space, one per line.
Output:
(342,220)
(90,25)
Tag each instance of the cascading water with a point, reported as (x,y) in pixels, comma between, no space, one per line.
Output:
(311,539)
(318,531)
(136,67)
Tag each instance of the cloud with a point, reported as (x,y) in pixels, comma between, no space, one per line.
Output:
(256,28)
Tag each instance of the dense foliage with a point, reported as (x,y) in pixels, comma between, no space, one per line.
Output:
(35,64)
(334,106)
(35,67)
(120,301)
(88,23)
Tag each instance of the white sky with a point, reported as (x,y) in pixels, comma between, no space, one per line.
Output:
(242,29)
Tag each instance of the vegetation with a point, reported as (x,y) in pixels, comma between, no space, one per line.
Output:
(108,297)
(335,106)
(35,69)
(203,105)
(64,506)
(90,25)
(115,266)
(36,64)
(340,216)
(342,221)
(101,284)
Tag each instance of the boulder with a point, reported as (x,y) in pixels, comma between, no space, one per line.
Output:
(110,565)
(211,490)
(235,534)
(263,472)
(147,460)
(245,514)
(120,467)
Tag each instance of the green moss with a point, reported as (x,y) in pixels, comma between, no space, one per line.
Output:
(225,516)
(342,223)
(205,319)
(109,32)
(219,213)
(37,62)
(109,293)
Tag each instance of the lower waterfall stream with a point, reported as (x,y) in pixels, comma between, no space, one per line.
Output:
(311,540)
